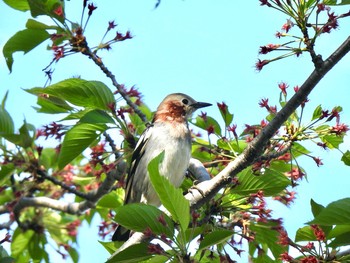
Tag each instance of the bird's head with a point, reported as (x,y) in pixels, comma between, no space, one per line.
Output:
(177,107)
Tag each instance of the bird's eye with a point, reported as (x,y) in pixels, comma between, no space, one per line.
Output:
(185,101)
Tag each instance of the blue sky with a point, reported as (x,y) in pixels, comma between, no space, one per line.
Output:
(203,48)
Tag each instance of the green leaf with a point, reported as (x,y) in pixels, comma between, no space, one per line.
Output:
(6,122)
(316,208)
(335,2)
(341,240)
(336,213)
(214,238)
(21,5)
(25,41)
(77,139)
(266,234)
(88,94)
(52,105)
(305,234)
(110,200)
(135,253)
(35,250)
(111,246)
(25,138)
(225,114)
(271,182)
(48,158)
(46,7)
(73,253)
(317,113)
(171,197)
(33,24)
(338,230)
(346,158)
(207,123)
(139,217)
(97,116)
(20,241)
(5,171)
(333,141)
(298,150)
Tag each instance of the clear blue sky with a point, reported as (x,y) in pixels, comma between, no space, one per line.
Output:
(205,49)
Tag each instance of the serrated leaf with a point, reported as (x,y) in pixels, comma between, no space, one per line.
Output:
(316,208)
(20,241)
(271,182)
(336,213)
(209,124)
(96,116)
(88,94)
(111,200)
(135,253)
(139,217)
(5,171)
(52,105)
(332,141)
(47,7)
(214,238)
(77,139)
(6,122)
(305,234)
(25,41)
(111,246)
(298,150)
(346,158)
(21,5)
(317,113)
(225,114)
(266,235)
(171,197)
(33,24)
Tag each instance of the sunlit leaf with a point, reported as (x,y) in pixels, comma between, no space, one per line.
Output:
(171,197)
(336,213)
(135,253)
(25,41)
(214,238)
(139,217)
(77,140)
(346,158)
(270,182)
(21,5)
(89,94)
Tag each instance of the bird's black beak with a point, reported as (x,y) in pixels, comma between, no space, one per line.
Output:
(198,105)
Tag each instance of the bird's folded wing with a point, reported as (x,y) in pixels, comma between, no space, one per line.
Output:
(131,196)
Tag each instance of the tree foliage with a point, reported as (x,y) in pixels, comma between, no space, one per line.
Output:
(219,214)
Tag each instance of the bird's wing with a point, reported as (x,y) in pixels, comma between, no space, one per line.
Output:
(139,151)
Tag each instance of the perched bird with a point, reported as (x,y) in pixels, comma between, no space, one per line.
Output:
(168,132)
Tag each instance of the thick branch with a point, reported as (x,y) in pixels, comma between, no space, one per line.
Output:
(255,148)
(77,208)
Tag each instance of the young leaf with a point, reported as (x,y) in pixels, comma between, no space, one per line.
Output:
(336,213)
(171,197)
(135,253)
(271,182)
(25,41)
(316,208)
(6,122)
(96,116)
(346,158)
(139,217)
(52,105)
(305,234)
(110,246)
(77,140)
(317,113)
(214,238)
(20,241)
(21,5)
(209,124)
(88,94)
(225,114)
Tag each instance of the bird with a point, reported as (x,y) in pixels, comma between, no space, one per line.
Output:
(168,132)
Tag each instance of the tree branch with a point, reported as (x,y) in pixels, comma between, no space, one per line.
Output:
(255,148)
(206,190)
(109,74)
(91,198)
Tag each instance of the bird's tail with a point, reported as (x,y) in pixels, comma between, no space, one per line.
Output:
(121,234)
